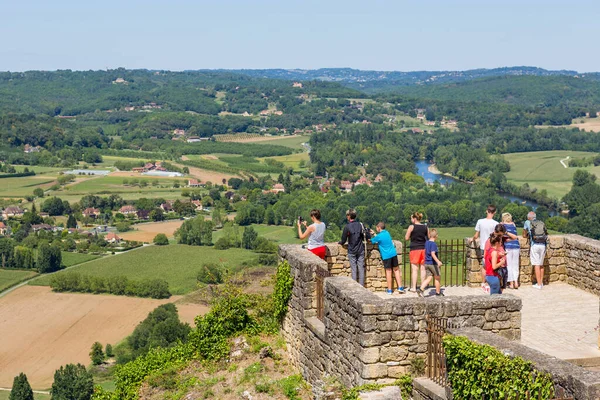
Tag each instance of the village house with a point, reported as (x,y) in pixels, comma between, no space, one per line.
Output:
(363,181)
(91,212)
(42,227)
(346,186)
(12,212)
(193,139)
(278,188)
(44,214)
(430,123)
(128,210)
(197,204)
(31,149)
(178,132)
(166,207)
(379,178)
(112,237)
(416,130)
(297,84)
(4,229)
(129,108)
(138,169)
(194,183)
(120,80)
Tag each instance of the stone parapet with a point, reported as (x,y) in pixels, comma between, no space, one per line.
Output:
(555,262)
(364,338)
(569,379)
(582,257)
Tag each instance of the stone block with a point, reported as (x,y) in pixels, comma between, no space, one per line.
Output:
(397,372)
(374,339)
(369,355)
(396,353)
(385,326)
(374,371)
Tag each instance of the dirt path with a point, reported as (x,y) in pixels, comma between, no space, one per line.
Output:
(563,161)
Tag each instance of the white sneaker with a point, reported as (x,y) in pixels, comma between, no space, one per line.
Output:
(536,286)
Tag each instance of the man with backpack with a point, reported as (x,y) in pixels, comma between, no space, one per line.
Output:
(537,233)
(355,234)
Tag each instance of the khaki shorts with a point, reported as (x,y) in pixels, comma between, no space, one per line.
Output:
(432,270)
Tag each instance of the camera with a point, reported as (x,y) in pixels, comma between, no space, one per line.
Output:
(300,219)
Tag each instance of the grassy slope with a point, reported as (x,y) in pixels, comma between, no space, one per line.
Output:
(69,259)
(280,233)
(178,264)
(10,277)
(4,395)
(292,142)
(543,170)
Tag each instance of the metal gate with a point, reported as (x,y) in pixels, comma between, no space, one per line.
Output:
(320,275)
(452,253)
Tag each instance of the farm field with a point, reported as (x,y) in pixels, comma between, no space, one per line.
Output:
(23,186)
(39,339)
(295,142)
(9,277)
(583,123)
(69,259)
(543,170)
(5,395)
(282,234)
(177,264)
(293,160)
(147,231)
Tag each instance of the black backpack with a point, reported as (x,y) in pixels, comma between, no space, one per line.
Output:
(538,232)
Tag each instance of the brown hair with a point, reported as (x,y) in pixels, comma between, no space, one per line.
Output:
(315,213)
(417,215)
(433,233)
(491,209)
(494,240)
(351,213)
(381,225)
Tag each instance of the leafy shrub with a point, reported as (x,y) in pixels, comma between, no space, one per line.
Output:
(161,328)
(210,274)
(267,259)
(222,244)
(161,239)
(118,285)
(96,354)
(474,370)
(109,350)
(123,226)
(21,390)
(72,382)
(282,292)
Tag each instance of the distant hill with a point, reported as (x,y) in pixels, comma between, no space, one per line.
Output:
(375,81)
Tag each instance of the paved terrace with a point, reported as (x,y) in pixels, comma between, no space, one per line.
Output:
(559,320)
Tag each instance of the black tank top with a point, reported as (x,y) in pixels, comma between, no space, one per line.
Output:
(418,237)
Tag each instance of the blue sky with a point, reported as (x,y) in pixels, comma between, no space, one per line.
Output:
(377,35)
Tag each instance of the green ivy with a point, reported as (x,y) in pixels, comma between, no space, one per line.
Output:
(404,382)
(476,370)
(284,282)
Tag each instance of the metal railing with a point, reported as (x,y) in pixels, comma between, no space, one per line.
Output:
(452,253)
(320,275)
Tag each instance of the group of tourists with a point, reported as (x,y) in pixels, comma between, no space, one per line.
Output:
(500,250)
(498,243)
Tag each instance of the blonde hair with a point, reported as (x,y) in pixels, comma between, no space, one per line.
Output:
(506,217)
(433,233)
(417,215)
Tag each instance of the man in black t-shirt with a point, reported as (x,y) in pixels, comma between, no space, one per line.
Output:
(356,237)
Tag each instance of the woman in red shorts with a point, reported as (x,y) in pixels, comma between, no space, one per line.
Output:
(418,234)
(315,233)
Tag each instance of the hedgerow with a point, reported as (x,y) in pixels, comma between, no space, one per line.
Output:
(475,370)
(118,285)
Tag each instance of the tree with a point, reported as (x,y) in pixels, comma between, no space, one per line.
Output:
(21,390)
(72,382)
(53,206)
(249,238)
(49,258)
(38,192)
(161,239)
(71,222)
(109,350)
(157,214)
(23,258)
(195,232)
(96,354)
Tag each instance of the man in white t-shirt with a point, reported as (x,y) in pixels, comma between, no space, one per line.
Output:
(484,228)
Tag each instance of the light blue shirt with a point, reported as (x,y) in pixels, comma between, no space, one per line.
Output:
(386,245)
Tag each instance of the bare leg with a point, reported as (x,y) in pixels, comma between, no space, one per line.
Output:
(537,275)
(388,278)
(398,277)
(483,281)
(438,286)
(423,275)
(425,282)
(413,278)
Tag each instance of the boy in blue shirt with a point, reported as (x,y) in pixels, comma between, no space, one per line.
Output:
(389,257)
(432,264)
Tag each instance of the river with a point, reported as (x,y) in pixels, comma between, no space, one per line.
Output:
(430,177)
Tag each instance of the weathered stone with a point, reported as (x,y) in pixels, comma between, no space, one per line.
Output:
(369,355)
(393,353)
(373,371)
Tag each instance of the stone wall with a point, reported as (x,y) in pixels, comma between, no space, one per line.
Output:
(583,263)
(555,262)
(339,265)
(569,379)
(366,338)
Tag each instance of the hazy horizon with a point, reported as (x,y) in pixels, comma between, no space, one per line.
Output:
(430,35)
